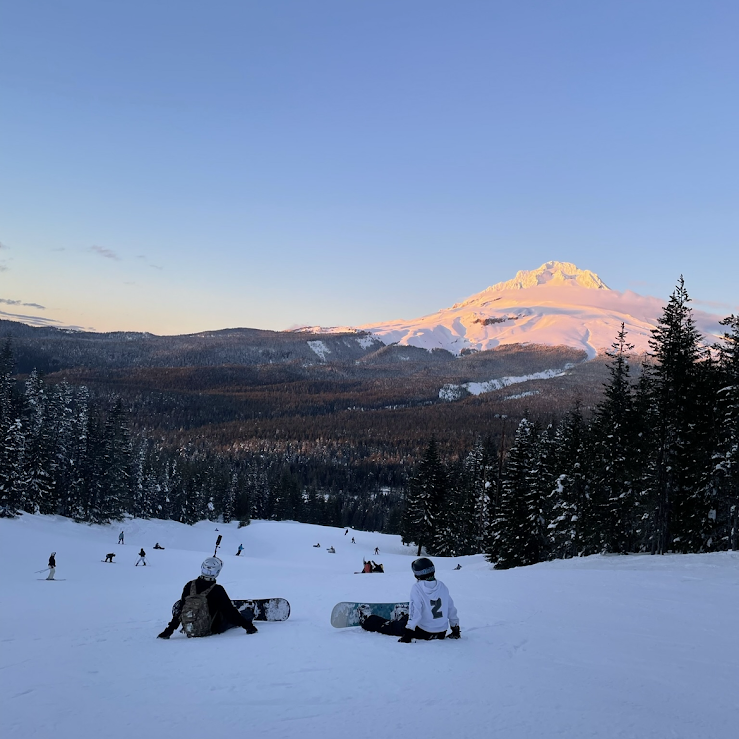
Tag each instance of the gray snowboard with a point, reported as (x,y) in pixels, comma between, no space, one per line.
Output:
(347,614)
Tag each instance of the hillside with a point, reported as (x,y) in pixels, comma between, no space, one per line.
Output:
(605,647)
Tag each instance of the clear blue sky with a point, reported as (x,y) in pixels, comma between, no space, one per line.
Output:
(176,166)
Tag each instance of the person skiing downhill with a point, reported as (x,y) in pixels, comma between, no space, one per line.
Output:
(432,610)
(222,613)
(142,557)
(52,566)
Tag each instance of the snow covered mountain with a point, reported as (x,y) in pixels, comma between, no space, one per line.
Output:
(556,305)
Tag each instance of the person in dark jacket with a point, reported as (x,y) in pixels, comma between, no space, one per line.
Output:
(52,566)
(142,557)
(223,613)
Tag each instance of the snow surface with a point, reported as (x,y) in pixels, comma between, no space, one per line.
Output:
(320,349)
(455,392)
(594,648)
(554,305)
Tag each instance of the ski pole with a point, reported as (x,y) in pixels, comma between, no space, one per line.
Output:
(38,572)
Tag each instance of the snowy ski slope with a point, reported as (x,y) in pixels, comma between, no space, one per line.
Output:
(605,647)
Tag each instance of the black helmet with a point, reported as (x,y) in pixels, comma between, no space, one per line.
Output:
(423,568)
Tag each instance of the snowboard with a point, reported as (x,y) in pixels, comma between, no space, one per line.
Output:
(266,609)
(347,614)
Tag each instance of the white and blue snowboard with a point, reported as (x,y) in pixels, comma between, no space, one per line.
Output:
(347,614)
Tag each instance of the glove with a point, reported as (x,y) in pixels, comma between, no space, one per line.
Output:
(251,629)
(455,633)
(407,637)
(164,635)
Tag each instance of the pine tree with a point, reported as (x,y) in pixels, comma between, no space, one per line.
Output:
(614,454)
(572,528)
(427,490)
(723,487)
(517,528)
(679,504)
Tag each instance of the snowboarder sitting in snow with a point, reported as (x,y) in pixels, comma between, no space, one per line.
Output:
(367,567)
(431,610)
(109,557)
(317,545)
(205,607)
(156,546)
(331,550)
(377,568)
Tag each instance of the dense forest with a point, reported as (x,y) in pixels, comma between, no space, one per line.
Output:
(647,464)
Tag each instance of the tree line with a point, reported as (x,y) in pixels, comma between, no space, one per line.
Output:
(655,467)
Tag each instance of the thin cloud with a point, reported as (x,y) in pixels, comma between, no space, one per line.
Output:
(39,321)
(21,303)
(105,252)
(155,266)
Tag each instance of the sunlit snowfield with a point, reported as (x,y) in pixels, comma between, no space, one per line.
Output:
(633,646)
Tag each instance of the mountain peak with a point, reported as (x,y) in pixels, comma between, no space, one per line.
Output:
(552,273)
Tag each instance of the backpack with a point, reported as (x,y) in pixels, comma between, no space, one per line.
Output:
(195,615)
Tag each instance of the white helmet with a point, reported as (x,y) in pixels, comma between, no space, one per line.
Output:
(211,568)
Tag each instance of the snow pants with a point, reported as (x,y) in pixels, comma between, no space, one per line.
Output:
(382,625)
(52,570)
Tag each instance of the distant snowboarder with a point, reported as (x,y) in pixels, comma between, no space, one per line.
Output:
(317,545)
(431,610)
(120,538)
(142,557)
(458,567)
(377,550)
(239,550)
(205,607)
(331,550)
(353,542)
(109,557)
(346,532)
(52,566)
(156,546)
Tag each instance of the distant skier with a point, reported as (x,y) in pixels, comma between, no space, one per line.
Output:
(52,566)
(431,610)
(353,542)
(346,532)
(109,557)
(377,550)
(120,538)
(239,550)
(205,607)
(156,546)
(142,557)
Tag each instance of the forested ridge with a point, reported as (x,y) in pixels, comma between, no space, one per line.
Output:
(646,462)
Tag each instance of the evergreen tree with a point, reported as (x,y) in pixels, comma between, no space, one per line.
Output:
(517,528)
(573,512)
(679,503)
(614,453)
(427,490)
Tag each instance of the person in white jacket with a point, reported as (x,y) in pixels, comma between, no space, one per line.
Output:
(431,610)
